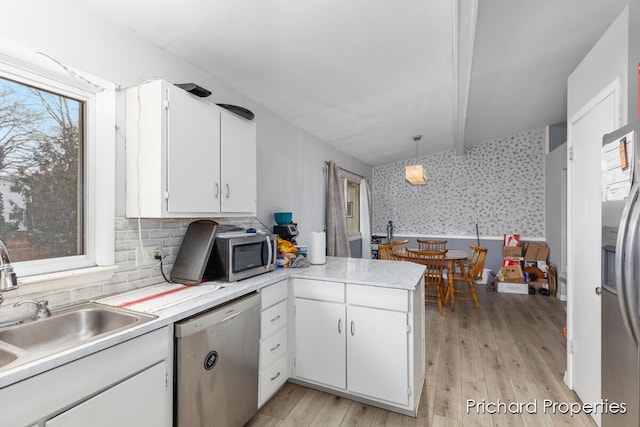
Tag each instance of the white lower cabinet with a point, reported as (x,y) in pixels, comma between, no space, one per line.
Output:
(320,349)
(377,354)
(357,340)
(125,385)
(274,348)
(121,405)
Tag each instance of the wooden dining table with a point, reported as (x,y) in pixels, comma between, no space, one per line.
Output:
(451,257)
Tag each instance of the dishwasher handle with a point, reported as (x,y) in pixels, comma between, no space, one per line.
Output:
(216,316)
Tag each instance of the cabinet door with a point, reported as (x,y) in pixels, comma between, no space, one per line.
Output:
(377,354)
(193,154)
(138,401)
(238,165)
(320,342)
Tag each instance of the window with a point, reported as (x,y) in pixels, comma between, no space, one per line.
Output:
(353,207)
(57,200)
(41,156)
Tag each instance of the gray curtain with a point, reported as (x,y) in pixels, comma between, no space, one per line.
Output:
(337,235)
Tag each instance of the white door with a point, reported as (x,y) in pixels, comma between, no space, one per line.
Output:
(193,154)
(320,346)
(238,153)
(586,129)
(378,354)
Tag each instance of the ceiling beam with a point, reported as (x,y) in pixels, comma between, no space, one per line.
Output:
(465,17)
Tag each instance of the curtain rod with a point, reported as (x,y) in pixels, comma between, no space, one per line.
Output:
(348,171)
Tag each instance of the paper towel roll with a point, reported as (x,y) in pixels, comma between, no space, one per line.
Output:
(317,248)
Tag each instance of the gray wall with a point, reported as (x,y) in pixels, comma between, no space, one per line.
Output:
(555,205)
(557,135)
(356,248)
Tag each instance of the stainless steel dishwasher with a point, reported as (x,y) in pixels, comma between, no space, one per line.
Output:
(217,365)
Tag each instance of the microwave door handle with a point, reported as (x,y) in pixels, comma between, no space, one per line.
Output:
(630,285)
(269,252)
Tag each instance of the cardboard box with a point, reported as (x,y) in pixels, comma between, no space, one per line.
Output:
(506,261)
(511,251)
(513,273)
(513,288)
(542,265)
(511,240)
(536,252)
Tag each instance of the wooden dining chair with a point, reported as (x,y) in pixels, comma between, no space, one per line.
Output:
(400,245)
(432,245)
(434,261)
(385,250)
(470,271)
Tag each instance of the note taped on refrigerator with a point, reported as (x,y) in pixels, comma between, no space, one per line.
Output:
(618,162)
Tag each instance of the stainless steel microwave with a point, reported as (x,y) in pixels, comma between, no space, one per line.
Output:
(238,257)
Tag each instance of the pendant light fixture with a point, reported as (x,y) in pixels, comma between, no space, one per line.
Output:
(416,174)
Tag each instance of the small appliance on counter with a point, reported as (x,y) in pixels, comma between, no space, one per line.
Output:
(205,255)
(194,252)
(285,228)
(287,232)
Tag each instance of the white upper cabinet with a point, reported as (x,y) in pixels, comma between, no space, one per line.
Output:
(186,157)
(238,168)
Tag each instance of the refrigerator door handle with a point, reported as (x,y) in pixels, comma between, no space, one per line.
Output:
(630,285)
(621,247)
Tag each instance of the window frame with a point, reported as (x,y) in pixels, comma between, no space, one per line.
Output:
(358,234)
(41,71)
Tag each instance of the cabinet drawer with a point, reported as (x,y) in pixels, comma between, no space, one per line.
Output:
(273,294)
(372,296)
(272,319)
(272,378)
(273,348)
(319,290)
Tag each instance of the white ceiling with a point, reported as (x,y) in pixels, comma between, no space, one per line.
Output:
(368,75)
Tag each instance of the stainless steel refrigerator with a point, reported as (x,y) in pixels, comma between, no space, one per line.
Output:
(621,275)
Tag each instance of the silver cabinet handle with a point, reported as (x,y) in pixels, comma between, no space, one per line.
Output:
(353,329)
(276,347)
(339,326)
(217,190)
(227,186)
(275,319)
(277,375)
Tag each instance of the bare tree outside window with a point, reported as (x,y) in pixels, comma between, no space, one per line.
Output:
(41,173)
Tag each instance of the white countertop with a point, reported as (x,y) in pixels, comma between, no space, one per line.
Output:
(172,302)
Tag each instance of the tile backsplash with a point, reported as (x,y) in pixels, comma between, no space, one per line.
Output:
(164,234)
(500,183)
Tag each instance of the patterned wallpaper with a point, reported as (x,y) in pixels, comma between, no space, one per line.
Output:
(499,183)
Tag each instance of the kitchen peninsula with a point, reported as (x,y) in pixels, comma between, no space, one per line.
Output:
(352,327)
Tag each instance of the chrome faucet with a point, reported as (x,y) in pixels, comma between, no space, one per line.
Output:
(8,279)
(42,308)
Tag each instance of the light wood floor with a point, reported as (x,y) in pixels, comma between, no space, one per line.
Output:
(509,350)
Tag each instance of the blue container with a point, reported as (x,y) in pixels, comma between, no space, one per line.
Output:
(283,218)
